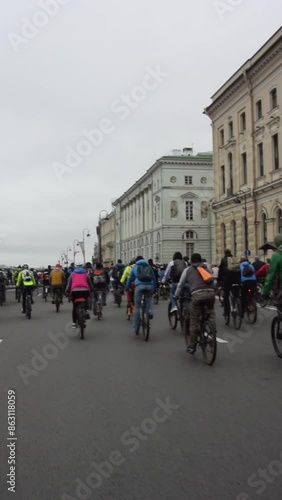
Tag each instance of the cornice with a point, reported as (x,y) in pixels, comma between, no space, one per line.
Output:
(265,60)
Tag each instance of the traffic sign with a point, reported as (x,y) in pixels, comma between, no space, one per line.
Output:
(247,253)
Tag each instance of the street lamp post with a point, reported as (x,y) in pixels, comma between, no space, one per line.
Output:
(244,195)
(83,240)
(74,252)
(68,249)
(99,233)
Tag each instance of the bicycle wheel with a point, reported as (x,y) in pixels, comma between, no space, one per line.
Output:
(156,298)
(172,317)
(276,335)
(28,307)
(99,312)
(237,314)
(208,342)
(227,318)
(57,301)
(251,310)
(145,325)
(81,319)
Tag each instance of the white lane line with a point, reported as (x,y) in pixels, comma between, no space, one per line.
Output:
(221,341)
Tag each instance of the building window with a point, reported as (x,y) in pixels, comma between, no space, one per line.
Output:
(221,137)
(273,98)
(279,221)
(244,168)
(222,179)
(243,122)
(263,229)
(189,250)
(260,160)
(275,148)
(188,179)
(230,128)
(189,210)
(230,161)
(259,109)
(223,238)
(234,236)
(189,235)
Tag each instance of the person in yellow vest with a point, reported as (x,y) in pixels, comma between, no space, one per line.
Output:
(57,280)
(27,281)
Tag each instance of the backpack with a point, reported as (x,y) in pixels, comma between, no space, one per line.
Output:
(99,277)
(233,264)
(177,269)
(117,273)
(144,273)
(26,275)
(205,275)
(247,271)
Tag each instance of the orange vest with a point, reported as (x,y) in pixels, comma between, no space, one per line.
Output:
(57,277)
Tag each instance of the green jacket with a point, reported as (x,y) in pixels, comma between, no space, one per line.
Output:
(275,270)
(26,281)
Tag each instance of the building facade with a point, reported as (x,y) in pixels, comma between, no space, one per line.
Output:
(167,210)
(106,238)
(247,152)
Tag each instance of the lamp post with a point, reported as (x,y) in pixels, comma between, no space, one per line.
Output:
(99,233)
(74,252)
(68,249)
(243,194)
(83,240)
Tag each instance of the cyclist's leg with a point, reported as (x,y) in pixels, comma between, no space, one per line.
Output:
(172,292)
(226,290)
(195,313)
(104,295)
(137,301)
(149,292)
(23,298)
(210,301)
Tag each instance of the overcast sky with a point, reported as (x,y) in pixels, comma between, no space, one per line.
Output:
(131,76)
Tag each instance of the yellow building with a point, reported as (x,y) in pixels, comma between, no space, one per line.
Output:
(247,147)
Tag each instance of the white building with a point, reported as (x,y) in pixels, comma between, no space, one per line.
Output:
(168,209)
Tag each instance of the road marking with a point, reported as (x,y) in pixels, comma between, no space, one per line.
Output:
(221,341)
(1,340)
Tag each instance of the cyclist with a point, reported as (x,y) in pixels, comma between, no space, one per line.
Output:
(3,281)
(248,280)
(57,281)
(27,282)
(45,280)
(228,275)
(100,282)
(155,271)
(79,286)
(173,272)
(144,279)
(263,270)
(274,278)
(130,292)
(202,294)
(116,274)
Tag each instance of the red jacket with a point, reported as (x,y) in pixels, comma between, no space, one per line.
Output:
(263,271)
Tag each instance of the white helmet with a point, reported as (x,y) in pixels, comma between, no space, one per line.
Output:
(79,264)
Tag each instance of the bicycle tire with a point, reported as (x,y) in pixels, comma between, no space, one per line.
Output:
(145,325)
(172,317)
(251,311)
(227,318)
(28,308)
(156,298)
(99,312)
(237,314)
(57,301)
(276,332)
(81,320)
(208,338)
(221,296)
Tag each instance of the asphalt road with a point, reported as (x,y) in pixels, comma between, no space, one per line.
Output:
(114,417)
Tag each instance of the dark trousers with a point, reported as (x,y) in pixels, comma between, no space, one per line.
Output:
(25,290)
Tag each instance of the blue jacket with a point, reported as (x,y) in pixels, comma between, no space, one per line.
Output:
(247,278)
(132,277)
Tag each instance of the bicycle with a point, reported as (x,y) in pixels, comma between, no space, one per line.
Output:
(46,290)
(235,307)
(206,340)
(164,291)
(251,307)
(156,297)
(80,305)
(144,320)
(58,299)
(172,317)
(117,295)
(98,305)
(184,314)
(276,332)
(18,294)
(28,300)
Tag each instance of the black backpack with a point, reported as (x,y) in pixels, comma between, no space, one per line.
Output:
(247,271)
(117,273)
(177,269)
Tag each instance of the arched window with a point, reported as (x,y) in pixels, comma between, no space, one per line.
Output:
(263,229)
(234,237)
(279,221)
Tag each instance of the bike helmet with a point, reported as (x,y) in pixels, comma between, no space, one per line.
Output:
(88,265)
(79,264)
(25,266)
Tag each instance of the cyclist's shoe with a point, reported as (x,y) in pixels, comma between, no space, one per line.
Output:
(61,302)
(53,302)
(192,348)
(87,315)
(150,314)
(136,332)
(173,309)
(74,325)
(24,311)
